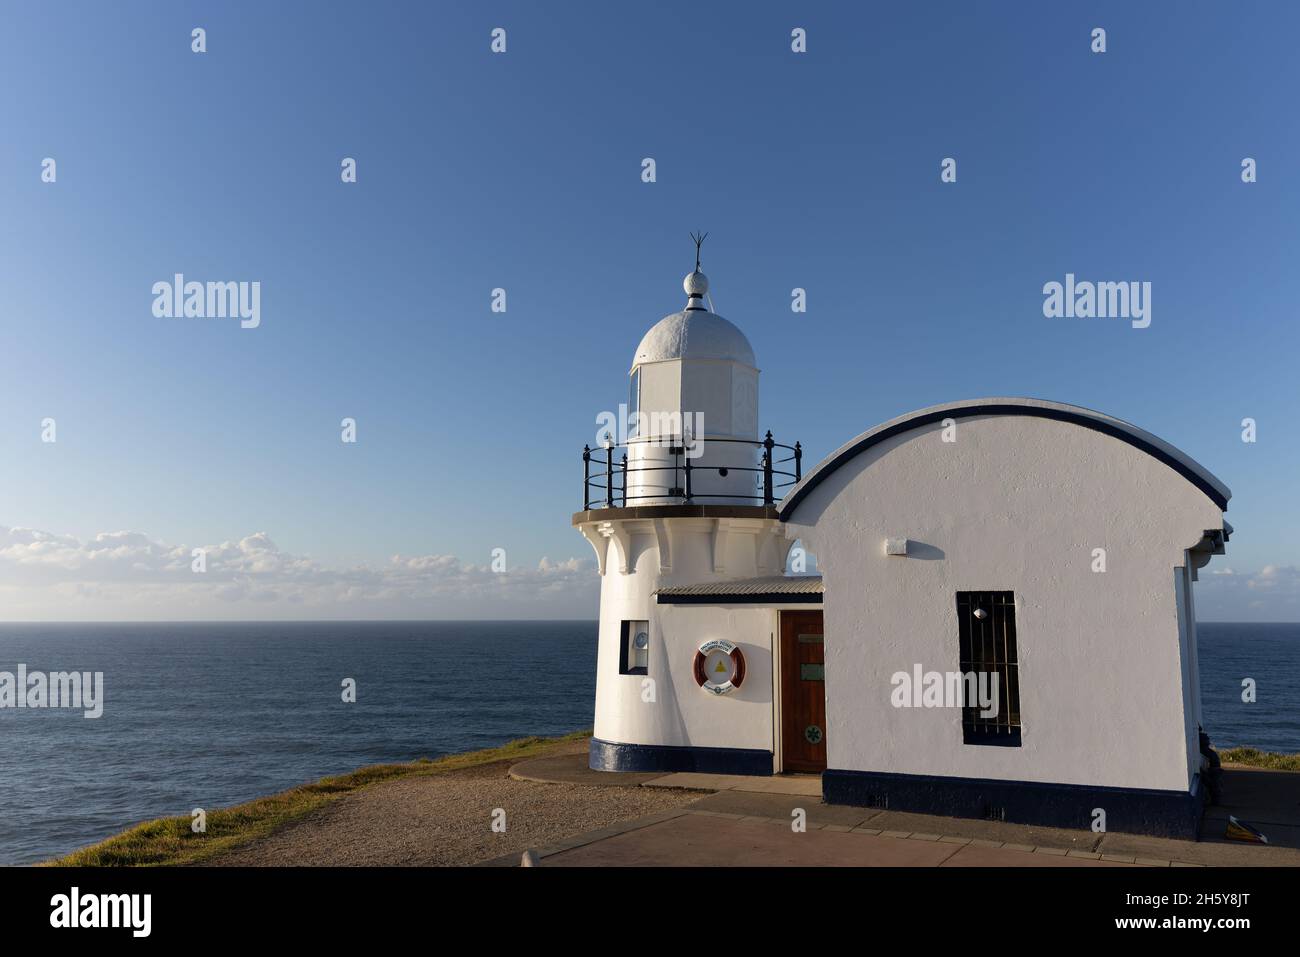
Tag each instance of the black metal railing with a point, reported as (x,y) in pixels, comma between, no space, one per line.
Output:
(610,482)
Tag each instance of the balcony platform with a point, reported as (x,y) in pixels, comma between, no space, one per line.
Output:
(674,511)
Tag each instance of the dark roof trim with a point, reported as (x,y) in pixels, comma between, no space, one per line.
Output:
(773,598)
(674,511)
(1115,428)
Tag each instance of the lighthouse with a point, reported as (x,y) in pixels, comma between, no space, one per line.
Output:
(965,544)
(687,502)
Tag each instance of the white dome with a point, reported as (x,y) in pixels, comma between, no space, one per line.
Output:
(694,334)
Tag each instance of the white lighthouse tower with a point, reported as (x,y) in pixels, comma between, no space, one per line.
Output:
(687,503)
(693,401)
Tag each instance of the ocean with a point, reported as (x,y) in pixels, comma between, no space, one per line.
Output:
(208,715)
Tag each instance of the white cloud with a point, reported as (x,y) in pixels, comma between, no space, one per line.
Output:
(128,575)
(1270,594)
(125,575)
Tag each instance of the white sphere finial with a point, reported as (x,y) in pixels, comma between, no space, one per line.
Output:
(696,284)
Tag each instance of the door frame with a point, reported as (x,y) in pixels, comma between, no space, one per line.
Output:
(778,703)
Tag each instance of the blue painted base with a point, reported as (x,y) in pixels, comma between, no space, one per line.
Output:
(1131,810)
(612,756)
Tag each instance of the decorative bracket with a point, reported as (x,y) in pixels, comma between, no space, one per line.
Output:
(664,542)
(598,542)
(616,533)
(721,530)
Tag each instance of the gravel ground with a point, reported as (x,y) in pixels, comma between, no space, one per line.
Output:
(445,819)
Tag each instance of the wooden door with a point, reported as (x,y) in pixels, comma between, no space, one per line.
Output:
(803,691)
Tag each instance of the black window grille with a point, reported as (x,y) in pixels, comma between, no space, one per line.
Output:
(986,621)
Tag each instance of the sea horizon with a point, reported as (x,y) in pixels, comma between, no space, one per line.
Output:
(209,714)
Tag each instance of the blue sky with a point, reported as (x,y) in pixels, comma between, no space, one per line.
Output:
(522,171)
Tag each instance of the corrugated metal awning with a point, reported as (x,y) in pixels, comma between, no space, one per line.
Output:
(768,590)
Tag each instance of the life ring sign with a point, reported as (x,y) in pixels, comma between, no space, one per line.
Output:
(719,666)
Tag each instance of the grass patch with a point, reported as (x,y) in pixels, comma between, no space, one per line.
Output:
(169,840)
(1255,758)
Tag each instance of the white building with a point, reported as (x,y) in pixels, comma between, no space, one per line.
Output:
(1043,549)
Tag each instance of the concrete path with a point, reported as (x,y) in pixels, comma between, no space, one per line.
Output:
(807,785)
(571,768)
(742,820)
(692,838)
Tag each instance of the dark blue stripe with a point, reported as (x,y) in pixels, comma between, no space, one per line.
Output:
(613,756)
(1130,810)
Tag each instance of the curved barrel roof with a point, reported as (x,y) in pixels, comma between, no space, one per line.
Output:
(1181,463)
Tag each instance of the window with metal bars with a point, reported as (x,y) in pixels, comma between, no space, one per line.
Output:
(986,622)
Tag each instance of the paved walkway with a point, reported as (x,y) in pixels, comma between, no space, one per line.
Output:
(695,838)
(747,821)
(807,785)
